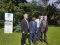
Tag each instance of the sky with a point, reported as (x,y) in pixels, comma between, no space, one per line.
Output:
(49,2)
(29,0)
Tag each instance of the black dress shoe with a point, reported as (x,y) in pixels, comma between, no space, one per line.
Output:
(41,40)
(46,42)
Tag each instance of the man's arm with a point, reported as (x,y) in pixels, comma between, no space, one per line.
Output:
(46,27)
(36,27)
(30,27)
(22,26)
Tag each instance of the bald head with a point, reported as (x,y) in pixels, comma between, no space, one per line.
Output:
(26,16)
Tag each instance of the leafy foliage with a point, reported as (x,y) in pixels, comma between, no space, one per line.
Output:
(19,7)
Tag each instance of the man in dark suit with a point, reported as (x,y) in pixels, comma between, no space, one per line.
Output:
(24,27)
(38,25)
(43,29)
(32,29)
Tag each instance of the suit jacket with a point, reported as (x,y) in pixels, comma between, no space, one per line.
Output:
(32,27)
(46,29)
(24,26)
(42,28)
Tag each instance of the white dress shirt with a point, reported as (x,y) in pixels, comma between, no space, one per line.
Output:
(27,22)
(38,22)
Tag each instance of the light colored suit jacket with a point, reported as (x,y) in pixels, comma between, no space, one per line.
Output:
(44,27)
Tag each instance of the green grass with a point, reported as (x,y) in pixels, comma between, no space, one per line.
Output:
(53,36)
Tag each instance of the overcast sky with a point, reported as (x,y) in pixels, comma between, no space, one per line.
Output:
(52,1)
(49,2)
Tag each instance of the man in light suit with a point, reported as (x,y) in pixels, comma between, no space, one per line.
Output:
(43,29)
(24,27)
(32,29)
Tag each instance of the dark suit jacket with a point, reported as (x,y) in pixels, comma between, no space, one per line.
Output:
(24,26)
(32,27)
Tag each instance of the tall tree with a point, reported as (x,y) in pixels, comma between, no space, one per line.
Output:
(16,2)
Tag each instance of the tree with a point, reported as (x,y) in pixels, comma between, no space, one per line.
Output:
(16,2)
(51,12)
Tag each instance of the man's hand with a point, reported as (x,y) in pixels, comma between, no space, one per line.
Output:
(31,32)
(23,32)
(28,33)
(36,31)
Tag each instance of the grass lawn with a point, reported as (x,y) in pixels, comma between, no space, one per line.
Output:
(53,36)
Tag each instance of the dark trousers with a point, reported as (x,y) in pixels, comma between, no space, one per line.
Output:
(32,38)
(23,40)
(43,36)
(38,34)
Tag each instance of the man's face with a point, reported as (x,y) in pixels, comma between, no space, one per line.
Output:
(43,18)
(26,16)
(39,17)
(33,18)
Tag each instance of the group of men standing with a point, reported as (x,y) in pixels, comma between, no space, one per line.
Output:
(36,29)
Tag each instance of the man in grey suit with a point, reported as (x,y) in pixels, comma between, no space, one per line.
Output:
(24,27)
(32,29)
(43,29)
